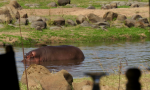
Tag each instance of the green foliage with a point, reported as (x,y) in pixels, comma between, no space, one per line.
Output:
(50,22)
(22,86)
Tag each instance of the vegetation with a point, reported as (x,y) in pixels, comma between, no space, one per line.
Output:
(71,34)
(79,3)
(11,34)
(111,82)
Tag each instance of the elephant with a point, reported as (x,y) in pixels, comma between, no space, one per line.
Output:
(53,53)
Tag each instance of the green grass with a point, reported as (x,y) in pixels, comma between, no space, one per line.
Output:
(79,3)
(70,33)
(22,86)
(73,34)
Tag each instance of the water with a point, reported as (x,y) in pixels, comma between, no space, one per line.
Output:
(99,57)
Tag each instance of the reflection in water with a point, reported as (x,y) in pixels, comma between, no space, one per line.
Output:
(57,64)
(99,57)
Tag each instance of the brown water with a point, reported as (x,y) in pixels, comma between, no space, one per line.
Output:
(99,57)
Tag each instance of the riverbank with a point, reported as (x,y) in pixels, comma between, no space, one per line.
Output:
(111,82)
(113,30)
(11,35)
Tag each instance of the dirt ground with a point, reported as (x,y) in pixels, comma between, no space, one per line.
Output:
(143,11)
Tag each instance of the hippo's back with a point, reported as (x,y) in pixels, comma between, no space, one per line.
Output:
(63,52)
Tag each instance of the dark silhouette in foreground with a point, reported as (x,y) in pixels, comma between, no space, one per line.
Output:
(8,70)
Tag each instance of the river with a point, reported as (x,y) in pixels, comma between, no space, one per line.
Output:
(99,57)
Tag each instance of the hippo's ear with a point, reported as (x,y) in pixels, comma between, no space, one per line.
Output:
(33,54)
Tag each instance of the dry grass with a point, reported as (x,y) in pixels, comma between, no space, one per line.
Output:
(111,82)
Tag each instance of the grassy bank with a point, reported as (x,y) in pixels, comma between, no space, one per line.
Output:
(111,82)
(79,3)
(77,33)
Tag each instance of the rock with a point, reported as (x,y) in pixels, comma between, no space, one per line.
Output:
(35,18)
(129,3)
(86,87)
(121,17)
(95,26)
(15,4)
(118,24)
(5,16)
(143,4)
(82,85)
(35,4)
(130,22)
(85,24)
(144,20)
(146,25)
(107,6)
(139,24)
(23,21)
(12,10)
(24,16)
(32,5)
(80,19)
(134,5)
(136,17)
(60,21)
(9,12)
(103,7)
(105,24)
(113,5)
(27,5)
(115,2)
(17,16)
(71,5)
(62,80)
(63,2)
(35,72)
(110,16)
(11,25)
(121,3)
(71,22)
(52,4)
(33,85)
(94,18)
(136,23)
(39,19)
(38,28)
(55,28)
(42,24)
(91,7)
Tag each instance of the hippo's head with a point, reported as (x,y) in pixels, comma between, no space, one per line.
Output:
(31,56)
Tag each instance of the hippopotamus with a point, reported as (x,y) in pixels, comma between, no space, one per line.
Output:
(51,53)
